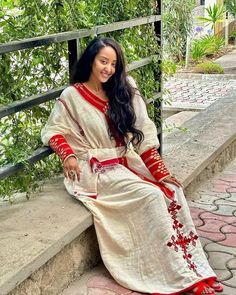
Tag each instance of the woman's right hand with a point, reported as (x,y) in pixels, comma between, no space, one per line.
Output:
(71,168)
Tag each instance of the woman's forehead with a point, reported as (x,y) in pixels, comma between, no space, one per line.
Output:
(107,52)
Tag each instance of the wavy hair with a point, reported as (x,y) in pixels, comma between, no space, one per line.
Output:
(117,88)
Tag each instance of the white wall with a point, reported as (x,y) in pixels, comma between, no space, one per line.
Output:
(209,2)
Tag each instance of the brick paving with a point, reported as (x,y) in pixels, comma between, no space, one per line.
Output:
(183,92)
(213,208)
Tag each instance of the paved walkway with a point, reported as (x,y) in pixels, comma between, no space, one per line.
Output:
(183,92)
(193,91)
(214,214)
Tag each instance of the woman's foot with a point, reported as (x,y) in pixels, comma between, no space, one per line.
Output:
(214,284)
(203,289)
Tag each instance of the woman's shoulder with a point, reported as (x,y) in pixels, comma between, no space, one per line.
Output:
(132,82)
(68,91)
(70,94)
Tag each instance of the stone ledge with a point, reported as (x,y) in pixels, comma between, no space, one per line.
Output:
(34,231)
(208,136)
(75,259)
(205,77)
(35,240)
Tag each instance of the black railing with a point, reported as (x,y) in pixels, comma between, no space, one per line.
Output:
(72,39)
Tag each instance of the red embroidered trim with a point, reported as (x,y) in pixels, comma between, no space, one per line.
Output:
(96,101)
(60,146)
(102,106)
(185,289)
(101,166)
(155,164)
(181,241)
(77,194)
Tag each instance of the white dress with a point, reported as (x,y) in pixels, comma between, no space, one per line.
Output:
(147,240)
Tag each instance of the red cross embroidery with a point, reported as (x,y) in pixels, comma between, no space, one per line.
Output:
(180,241)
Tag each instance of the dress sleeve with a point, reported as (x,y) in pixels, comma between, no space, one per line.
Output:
(56,130)
(61,147)
(148,148)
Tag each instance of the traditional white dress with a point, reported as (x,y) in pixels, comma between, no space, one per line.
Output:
(147,239)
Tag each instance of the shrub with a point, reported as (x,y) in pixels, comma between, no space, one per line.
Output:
(212,44)
(198,51)
(209,68)
(232,37)
(206,46)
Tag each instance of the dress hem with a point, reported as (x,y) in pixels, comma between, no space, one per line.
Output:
(186,289)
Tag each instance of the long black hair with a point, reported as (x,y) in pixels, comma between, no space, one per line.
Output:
(117,88)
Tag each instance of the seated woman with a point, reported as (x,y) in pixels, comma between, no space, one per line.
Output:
(101,130)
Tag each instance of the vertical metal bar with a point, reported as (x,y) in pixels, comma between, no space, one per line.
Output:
(158,104)
(73,55)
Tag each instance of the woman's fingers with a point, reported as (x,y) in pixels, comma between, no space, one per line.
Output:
(173,180)
(71,169)
(77,172)
(73,173)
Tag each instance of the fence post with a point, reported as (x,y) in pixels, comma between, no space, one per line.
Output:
(158,103)
(73,55)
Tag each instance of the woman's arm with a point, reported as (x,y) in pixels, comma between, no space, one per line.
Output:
(148,148)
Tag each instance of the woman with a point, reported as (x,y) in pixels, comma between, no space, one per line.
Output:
(100,129)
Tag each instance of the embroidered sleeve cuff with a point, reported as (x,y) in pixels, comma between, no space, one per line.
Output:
(61,147)
(155,164)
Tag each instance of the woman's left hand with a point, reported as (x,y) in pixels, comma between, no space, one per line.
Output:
(172,180)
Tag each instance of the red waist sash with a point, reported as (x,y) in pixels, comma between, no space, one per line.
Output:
(102,166)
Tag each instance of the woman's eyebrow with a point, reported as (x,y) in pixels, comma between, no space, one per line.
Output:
(101,56)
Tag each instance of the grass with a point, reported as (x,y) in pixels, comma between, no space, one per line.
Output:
(208,67)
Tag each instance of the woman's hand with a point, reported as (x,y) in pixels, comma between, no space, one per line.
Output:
(71,168)
(172,180)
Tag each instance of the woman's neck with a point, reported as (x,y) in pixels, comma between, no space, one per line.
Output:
(95,86)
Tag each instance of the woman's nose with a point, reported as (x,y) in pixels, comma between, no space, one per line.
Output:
(108,68)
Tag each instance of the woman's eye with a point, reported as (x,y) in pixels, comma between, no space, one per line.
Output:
(103,62)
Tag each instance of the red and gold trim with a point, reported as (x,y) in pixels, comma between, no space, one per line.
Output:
(61,147)
(96,101)
(185,289)
(101,166)
(155,164)
(102,106)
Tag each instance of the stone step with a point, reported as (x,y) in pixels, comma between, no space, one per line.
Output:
(45,242)
(176,121)
(230,70)
(207,145)
(97,282)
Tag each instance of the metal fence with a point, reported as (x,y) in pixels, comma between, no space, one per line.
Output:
(72,38)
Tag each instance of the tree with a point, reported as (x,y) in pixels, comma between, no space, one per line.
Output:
(230,6)
(215,15)
(178,22)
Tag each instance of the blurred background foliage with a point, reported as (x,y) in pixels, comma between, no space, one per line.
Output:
(177,25)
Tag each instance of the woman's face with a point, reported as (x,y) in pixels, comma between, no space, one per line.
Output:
(104,65)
